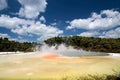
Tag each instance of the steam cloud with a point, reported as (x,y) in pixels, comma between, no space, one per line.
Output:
(62,50)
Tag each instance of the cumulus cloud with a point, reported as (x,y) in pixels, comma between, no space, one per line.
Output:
(45,31)
(32,8)
(42,19)
(20,30)
(13,22)
(111,33)
(107,19)
(41,30)
(3,4)
(29,27)
(89,34)
(20,39)
(4,35)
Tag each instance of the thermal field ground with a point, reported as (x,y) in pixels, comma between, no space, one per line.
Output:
(34,66)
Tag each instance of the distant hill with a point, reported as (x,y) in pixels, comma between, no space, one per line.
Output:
(88,43)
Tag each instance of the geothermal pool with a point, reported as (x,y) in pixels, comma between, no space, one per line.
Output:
(52,66)
(68,51)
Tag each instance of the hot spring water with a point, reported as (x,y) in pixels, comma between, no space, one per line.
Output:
(81,53)
(67,51)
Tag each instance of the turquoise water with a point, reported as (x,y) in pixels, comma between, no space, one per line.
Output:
(80,53)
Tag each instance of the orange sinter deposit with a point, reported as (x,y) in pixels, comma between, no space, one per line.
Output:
(57,56)
(50,56)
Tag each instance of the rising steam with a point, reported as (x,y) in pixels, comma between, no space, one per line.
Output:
(65,51)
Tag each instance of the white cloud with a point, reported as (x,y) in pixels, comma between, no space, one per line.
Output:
(4,35)
(89,34)
(111,33)
(29,27)
(43,31)
(114,33)
(32,8)
(53,24)
(3,4)
(107,19)
(20,39)
(42,19)
(20,30)
(10,23)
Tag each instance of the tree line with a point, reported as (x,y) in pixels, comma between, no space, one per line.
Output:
(78,42)
(88,43)
(7,45)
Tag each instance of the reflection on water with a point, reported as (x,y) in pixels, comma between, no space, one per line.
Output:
(80,53)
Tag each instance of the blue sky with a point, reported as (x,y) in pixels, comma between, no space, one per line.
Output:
(38,20)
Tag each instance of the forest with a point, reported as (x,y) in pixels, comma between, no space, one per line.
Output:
(88,43)
(13,46)
(77,42)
